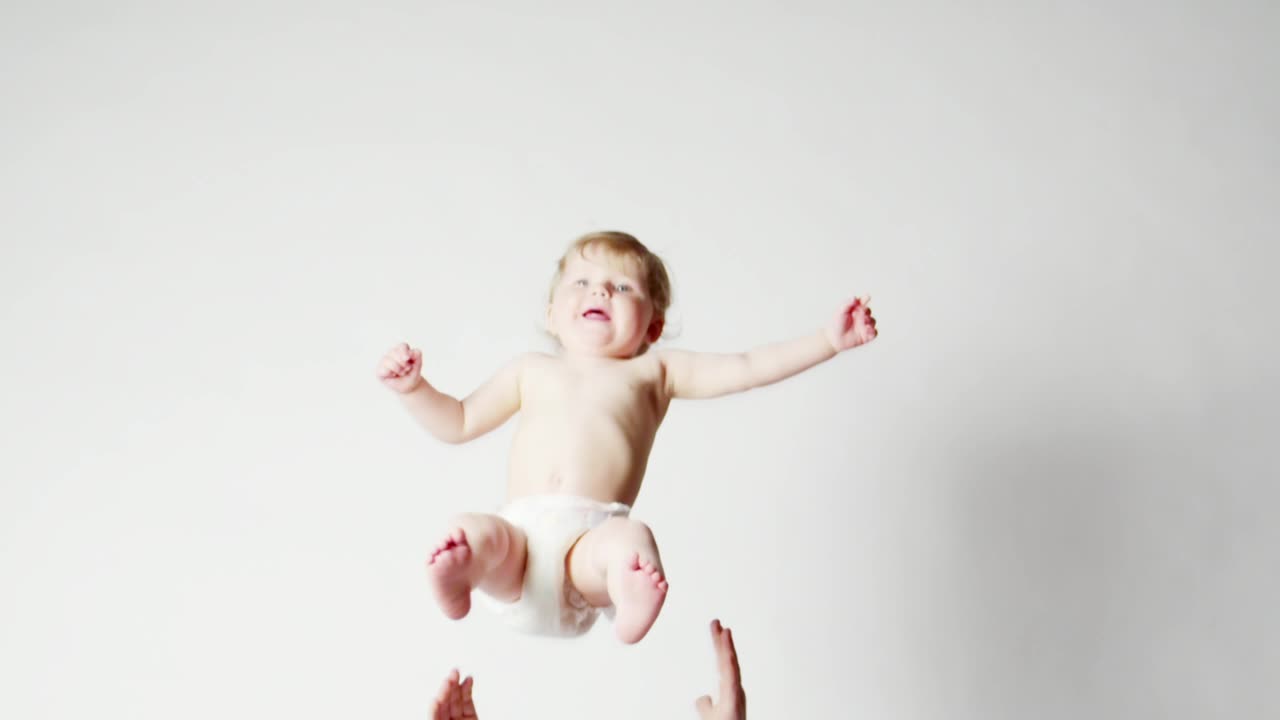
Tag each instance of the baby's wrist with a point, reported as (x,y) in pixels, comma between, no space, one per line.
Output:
(831,343)
(418,382)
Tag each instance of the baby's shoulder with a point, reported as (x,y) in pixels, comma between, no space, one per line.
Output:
(533,357)
(534,361)
(647,366)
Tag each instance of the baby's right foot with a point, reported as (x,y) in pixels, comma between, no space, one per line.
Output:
(638,595)
(448,570)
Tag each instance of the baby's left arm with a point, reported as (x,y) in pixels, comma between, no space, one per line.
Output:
(707,375)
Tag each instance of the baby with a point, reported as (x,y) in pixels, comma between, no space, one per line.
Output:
(564,549)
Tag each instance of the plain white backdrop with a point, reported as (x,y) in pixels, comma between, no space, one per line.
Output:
(1047,491)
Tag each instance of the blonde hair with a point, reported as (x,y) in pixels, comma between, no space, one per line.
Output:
(619,248)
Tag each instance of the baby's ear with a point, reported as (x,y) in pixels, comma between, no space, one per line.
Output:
(655,330)
(546,322)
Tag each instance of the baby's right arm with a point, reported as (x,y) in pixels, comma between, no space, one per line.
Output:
(447,418)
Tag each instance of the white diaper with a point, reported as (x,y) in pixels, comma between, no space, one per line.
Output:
(549,604)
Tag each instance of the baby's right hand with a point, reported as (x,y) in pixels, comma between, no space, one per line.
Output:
(401,368)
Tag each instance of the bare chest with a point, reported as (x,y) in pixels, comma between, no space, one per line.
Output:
(622,391)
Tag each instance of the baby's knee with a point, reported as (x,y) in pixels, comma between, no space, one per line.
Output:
(632,533)
(468,521)
(483,532)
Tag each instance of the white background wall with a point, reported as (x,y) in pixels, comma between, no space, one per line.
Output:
(1048,490)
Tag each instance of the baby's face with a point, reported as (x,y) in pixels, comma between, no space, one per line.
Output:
(601,310)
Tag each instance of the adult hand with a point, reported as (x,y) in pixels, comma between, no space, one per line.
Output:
(732,704)
(453,702)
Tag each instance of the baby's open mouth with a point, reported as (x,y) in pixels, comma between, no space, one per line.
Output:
(595,314)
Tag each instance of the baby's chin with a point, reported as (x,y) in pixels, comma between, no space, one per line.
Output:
(598,344)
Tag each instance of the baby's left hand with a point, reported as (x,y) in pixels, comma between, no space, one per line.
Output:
(853,325)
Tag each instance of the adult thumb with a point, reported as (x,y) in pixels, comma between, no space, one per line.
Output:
(703,704)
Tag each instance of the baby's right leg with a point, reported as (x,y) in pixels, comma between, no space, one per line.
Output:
(481,552)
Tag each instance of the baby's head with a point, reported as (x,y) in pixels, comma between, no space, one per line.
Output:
(609,296)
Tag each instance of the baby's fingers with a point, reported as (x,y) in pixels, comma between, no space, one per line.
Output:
(397,358)
(407,360)
(389,368)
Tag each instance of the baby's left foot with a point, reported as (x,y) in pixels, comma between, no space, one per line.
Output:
(638,591)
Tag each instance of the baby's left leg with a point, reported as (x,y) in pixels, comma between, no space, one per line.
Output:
(616,563)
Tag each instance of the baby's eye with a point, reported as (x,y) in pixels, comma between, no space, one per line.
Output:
(580,282)
(622,288)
